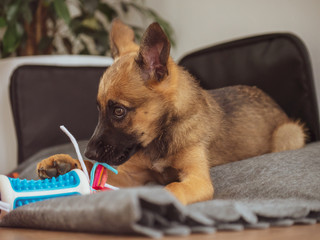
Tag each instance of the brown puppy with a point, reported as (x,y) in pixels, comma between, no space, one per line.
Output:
(157,124)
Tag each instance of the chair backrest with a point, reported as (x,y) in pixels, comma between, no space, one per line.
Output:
(276,63)
(45,97)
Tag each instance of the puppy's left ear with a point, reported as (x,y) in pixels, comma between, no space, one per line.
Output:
(154,53)
(121,39)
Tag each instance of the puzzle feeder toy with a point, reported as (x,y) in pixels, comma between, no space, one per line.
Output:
(16,192)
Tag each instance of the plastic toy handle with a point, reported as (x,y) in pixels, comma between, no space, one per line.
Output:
(17,192)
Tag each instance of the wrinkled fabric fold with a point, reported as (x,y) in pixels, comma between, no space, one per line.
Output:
(154,212)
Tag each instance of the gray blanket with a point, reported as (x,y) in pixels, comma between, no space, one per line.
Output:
(279,189)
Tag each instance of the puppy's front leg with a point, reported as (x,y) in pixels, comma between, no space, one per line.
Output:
(134,172)
(195,183)
(130,175)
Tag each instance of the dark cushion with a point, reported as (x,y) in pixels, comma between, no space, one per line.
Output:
(45,97)
(276,63)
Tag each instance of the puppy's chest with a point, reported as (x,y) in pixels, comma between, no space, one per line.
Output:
(160,164)
(163,172)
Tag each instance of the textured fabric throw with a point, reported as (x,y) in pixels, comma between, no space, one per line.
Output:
(279,189)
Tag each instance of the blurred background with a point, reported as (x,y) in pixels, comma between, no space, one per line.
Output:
(79,27)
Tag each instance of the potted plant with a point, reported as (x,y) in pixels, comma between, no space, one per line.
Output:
(37,27)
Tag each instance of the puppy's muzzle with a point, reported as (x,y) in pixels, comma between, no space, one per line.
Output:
(113,155)
(94,150)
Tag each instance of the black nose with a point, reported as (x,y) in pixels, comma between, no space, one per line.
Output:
(91,152)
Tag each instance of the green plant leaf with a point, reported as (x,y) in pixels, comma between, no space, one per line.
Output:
(75,24)
(19,29)
(90,6)
(62,10)
(46,3)
(68,44)
(85,50)
(13,10)
(12,38)
(44,43)
(108,11)
(91,23)
(26,11)
(124,7)
(3,22)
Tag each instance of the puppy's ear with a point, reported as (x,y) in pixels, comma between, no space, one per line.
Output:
(121,39)
(154,53)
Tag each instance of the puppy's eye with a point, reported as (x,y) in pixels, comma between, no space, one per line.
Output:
(119,112)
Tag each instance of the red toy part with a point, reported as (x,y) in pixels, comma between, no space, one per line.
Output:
(100,178)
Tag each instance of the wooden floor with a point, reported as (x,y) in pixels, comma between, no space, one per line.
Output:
(310,232)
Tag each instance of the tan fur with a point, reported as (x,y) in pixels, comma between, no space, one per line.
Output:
(288,136)
(122,39)
(183,129)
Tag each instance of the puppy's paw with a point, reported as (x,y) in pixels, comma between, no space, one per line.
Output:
(177,190)
(188,193)
(56,165)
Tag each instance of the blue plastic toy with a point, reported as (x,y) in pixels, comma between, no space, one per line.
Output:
(16,192)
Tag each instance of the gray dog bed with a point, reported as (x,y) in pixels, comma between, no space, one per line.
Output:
(279,189)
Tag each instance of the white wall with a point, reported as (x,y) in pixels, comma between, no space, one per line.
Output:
(206,22)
